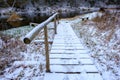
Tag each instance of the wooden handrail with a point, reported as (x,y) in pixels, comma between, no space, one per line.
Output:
(31,35)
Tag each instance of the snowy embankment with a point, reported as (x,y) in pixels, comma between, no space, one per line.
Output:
(28,64)
(102,36)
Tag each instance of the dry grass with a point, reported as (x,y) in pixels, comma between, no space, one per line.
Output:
(10,50)
(107,21)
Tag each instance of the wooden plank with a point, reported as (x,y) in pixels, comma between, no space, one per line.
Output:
(64,48)
(66,41)
(86,61)
(64,37)
(71,61)
(65,34)
(82,76)
(64,61)
(68,45)
(70,51)
(69,36)
(74,68)
(62,56)
(54,76)
(69,56)
(42,41)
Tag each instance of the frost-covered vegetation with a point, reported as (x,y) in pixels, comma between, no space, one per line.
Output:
(16,32)
(21,61)
(11,45)
(102,36)
(24,62)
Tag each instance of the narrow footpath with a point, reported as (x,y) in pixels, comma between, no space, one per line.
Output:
(69,59)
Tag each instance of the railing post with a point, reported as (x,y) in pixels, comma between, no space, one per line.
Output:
(55,25)
(46,49)
(58,18)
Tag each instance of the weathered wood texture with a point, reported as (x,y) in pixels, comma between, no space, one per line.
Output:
(31,35)
(46,49)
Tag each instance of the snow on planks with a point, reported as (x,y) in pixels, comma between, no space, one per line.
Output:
(82,76)
(69,60)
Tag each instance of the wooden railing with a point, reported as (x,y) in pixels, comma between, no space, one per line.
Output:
(31,35)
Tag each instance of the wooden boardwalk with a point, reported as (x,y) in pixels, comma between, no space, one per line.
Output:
(69,60)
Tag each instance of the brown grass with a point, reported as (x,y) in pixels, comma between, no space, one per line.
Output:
(10,51)
(107,22)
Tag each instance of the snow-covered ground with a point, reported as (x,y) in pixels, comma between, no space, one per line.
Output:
(104,44)
(31,65)
(106,56)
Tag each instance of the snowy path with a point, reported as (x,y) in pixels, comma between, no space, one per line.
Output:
(69,59)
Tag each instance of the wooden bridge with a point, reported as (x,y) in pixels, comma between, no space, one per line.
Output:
(68,58)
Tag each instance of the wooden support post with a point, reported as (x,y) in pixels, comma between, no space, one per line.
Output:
(58,18)
(46,50)
(55,26)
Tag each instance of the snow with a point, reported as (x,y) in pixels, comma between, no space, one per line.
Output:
(83,76)
(103,52)
(59,61)
(32,65)
(14,74)
(2,44)
(86,61)
(69,56)
(68,51)
(25,69)
(90,16)
(32,62)
(73,68)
